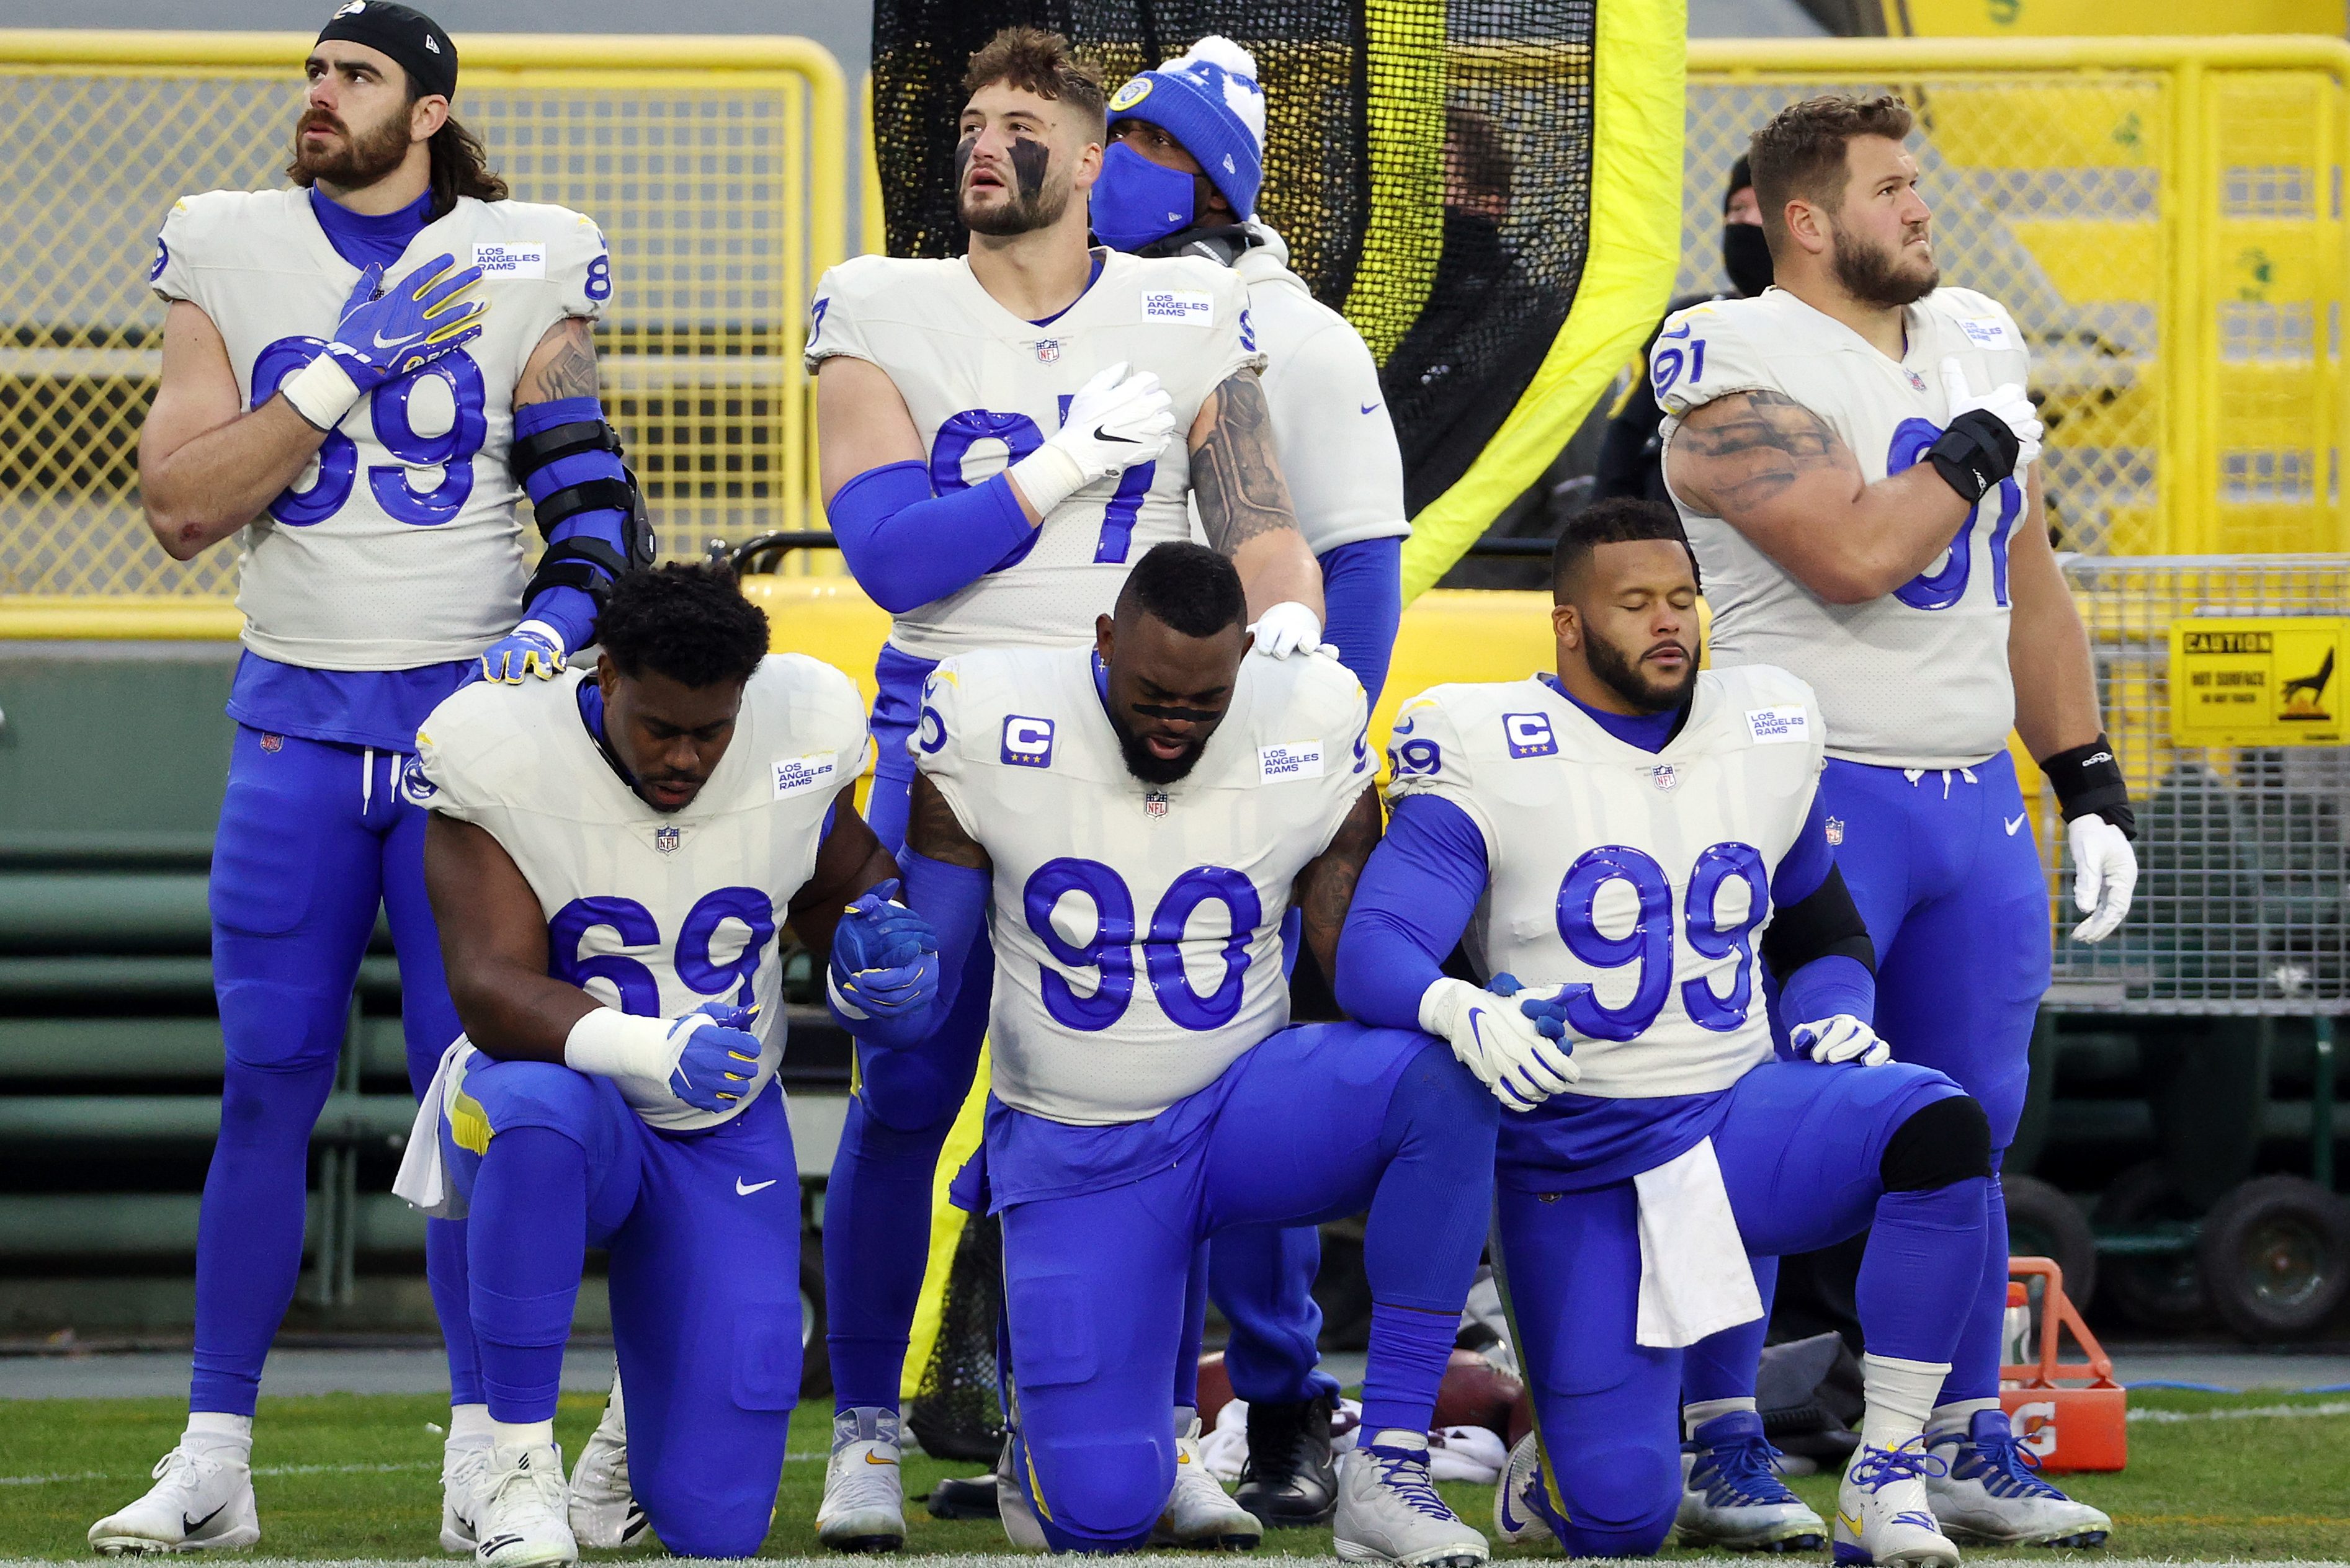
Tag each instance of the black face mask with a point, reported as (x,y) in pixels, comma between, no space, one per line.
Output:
(1746,257)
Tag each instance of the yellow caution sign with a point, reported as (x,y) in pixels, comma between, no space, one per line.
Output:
(2272,681)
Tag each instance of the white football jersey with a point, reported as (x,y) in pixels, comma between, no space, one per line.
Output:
(1917,679)
(985,388)
(399,545)
(1137,929)
(654,912)
(1644,877)
(1331,431)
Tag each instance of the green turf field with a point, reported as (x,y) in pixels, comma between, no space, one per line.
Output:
(2211,1478)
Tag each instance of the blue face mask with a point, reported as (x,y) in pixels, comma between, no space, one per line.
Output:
(1136,201)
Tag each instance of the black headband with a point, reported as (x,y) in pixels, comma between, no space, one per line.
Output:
(409,37)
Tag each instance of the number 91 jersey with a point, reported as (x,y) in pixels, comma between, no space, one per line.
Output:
(1917,679)
(654,912)
(985,388)
(1640,880)
(399,545)
(1137,929)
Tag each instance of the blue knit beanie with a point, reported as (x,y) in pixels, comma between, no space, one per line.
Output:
(1207,98)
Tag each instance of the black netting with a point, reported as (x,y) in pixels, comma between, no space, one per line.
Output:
(1429,167)
(956,1413)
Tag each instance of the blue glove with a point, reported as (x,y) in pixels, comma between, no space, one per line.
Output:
(533,648)
(717,1060)
(385,336)
(884,976)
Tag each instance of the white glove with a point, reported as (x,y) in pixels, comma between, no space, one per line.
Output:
(706,1058)
(1840,1037)
(2008,404)
(1115,422)
(2105,875)
(1495,1039)
(1288,628)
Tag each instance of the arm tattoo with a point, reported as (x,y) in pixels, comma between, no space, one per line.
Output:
(1326,888)
(1743,450)
(571,373)
(932,829)
(1234,479)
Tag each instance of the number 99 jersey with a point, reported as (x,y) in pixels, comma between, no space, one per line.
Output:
(1137,929)
(1917,679)
(1640,880)
(654,912)
(985,388)
(397,546)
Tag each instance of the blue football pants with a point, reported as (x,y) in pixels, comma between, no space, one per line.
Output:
(313,838)
(703,1233)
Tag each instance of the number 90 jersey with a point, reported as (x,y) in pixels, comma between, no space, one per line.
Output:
(399,545)
(654,912)
(1137,929)
(1640,880)
(985,388)
(1917,679)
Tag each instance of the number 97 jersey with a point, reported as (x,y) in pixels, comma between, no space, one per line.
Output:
(1917,679)
(1640,880)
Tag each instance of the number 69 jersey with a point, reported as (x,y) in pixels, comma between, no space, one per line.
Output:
(1917,679)
(399,547)
(985,388)
(654,912)
(1137,929)
(1640,880)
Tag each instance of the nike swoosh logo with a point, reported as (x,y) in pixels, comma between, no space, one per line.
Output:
(383,342)
(743,1192)
(2012,827)
(1370,407)
(1849,1521)
(1475,1033)
(871,1458)
(190,1526)
(1101,434)
(1509,1521)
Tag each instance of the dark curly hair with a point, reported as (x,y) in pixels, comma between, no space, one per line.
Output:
(1619,519)
(1190,586)
(686,620)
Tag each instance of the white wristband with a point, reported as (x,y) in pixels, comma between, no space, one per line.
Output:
(610,1044)
(541,629)
(322,392)
(1047,477)
(1440,1003)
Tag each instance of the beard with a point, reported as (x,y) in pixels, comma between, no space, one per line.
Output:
(1621,674)
(359,160)
(1024,212)
(1144,764)
(1873,276)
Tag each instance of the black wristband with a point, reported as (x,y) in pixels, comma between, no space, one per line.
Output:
(1976,452)
(2089,780)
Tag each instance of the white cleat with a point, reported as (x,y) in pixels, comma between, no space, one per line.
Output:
(1517,1510)
(1200,1514)
(464,1468)
(1389,1511)
(1882,1516)
(201,1500)
(1992,1492)
(1020,1526)
(600,1505)
(864,1507)
(1733,1496)
(521,1523)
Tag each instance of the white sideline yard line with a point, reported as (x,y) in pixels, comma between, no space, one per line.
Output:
(2245,1413)
(258,1470)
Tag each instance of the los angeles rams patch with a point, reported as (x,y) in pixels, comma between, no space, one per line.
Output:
(1189,306)
(1287,761)
(502,260)
(1027,743)
(797,775)
(1529,734)
(1986,332)
(1779,725)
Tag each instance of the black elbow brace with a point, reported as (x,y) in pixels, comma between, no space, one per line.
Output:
(1826,924)
(589,565)
(1946,1140)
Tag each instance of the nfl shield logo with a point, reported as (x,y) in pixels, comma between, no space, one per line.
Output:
(665,840)
(1917,381)
(273,742)
(1835,831)
(1155,803)
(1663,776)
(1049,351)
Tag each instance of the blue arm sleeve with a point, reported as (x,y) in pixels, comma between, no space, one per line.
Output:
(1362,598)
(1417,891)
(1805,865)
(953,899)
(1827,986)
(906,547)
(568,610)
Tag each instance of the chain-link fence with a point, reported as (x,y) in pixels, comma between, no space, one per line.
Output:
(716,168)
(2239,905)
(2163,217)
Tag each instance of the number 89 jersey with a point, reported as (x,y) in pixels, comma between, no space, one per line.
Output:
(985,388)
(1640,880)
(1137,929)
(397,546)
(654,912)
(1917,679)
